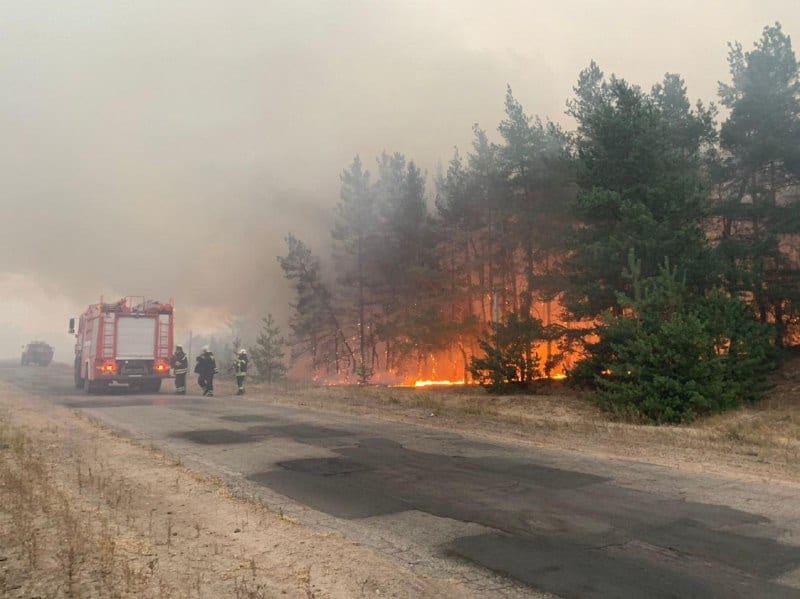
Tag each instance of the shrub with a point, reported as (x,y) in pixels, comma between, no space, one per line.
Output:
(675,356)
(510,358)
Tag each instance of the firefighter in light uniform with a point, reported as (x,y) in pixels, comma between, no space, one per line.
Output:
(180,367)
(206,368)
(240,370)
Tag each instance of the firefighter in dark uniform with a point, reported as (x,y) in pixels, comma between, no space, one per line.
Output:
(180,367)
(240,370)
(206,368)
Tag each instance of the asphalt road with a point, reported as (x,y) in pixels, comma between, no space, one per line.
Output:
(507,519)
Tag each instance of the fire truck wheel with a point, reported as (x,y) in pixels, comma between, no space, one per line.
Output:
(77,375)
(91,387)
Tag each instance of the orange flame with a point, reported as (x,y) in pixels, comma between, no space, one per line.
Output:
(431,383)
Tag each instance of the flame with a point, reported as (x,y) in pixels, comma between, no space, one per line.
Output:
(443,383)
(431,383)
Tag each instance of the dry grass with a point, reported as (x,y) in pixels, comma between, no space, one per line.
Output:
(774,423)
(58,546)
(70,527)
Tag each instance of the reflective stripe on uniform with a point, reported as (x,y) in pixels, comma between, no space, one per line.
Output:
(182,371)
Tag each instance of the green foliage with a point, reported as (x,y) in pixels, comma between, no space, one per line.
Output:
(407,288)
(510,358)
(535,167)
(639,158)
(758,169)
(764,101)
(355,239)
(316,332)
(268,352)
(672,356)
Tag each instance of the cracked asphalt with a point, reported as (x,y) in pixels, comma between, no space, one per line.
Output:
(508,519)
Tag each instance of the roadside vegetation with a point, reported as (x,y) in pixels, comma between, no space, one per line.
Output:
(81,532)
(60,540)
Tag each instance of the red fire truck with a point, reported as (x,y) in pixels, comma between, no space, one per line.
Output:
(128,342)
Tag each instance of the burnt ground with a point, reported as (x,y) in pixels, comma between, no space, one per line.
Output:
(573,526)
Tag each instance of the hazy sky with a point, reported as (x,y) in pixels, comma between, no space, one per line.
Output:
(166,148)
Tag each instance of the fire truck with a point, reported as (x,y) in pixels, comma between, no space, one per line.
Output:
(128,342)
(37,352)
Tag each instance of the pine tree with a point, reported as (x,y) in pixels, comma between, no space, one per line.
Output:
(268,352)
(638,188)
(536,163)
(510,359)
(675,355)
(473,205)
(355,236)
(316,331)
(758,201)
(640,159)
(411,287)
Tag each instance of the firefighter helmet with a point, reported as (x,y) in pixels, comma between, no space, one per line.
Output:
(243,351)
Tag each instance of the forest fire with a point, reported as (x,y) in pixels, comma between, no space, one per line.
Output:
(518,278)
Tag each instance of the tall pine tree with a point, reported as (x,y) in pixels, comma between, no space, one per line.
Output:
(355,235)
(638,188)
(758,204)
(316,331)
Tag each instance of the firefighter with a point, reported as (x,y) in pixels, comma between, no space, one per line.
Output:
(240,370)
(180,367)
(206,368)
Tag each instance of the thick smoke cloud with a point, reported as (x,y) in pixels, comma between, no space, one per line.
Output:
(166,148)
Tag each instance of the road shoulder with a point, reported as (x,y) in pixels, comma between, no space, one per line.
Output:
(101,515)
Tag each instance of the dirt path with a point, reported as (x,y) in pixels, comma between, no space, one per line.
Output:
(89,514)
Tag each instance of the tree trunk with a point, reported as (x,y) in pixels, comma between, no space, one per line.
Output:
(361,308)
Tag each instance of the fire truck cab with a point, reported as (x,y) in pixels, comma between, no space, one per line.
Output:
(128,342)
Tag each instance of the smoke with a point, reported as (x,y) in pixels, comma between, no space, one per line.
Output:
(166,148)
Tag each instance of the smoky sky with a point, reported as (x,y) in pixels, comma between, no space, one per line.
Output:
(166,148)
